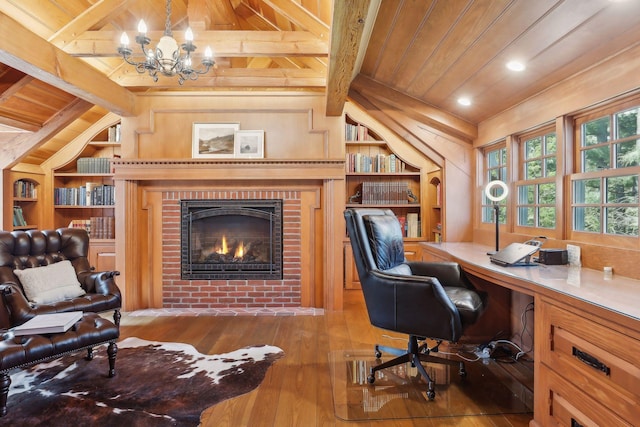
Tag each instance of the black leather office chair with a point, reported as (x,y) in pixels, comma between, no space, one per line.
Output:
(422,299)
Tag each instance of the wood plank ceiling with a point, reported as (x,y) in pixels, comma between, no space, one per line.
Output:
(58,59)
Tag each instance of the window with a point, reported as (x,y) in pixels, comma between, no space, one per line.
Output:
(610,137)
(495,169)
(536,192)
(605,192)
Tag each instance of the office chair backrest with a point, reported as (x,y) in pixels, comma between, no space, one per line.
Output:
(376,240)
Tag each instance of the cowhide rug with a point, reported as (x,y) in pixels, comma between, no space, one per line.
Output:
(156,384)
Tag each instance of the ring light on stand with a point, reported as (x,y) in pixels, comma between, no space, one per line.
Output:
(496,207)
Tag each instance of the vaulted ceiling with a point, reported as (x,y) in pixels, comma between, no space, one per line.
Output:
(59,68)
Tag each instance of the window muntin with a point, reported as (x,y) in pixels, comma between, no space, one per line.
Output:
(598,145)
(606,205)
(495,169)
(536,193)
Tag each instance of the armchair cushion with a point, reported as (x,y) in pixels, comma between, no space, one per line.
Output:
(385,238)
(51,283)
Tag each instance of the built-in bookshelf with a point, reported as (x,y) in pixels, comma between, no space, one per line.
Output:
(435,205)
(24,211)
(378,177)
(83,189)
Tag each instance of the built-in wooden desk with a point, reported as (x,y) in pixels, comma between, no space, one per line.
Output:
(587,337)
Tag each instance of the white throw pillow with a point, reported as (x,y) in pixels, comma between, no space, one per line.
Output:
(51,283)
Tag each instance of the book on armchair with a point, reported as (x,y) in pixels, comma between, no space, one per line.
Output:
(48,323)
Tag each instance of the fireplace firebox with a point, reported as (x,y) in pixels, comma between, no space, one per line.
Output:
(231,239)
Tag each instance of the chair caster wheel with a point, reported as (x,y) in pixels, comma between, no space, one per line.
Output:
(431,394)
(462,372)
(378,353)
(371,379)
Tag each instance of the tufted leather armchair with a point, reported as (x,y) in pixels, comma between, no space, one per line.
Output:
(422,299)
(33,248)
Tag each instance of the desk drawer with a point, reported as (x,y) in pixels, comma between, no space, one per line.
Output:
(601,362)
(570,407)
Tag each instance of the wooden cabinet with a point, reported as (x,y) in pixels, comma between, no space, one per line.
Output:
(589,369)
(83,188)
(102,255)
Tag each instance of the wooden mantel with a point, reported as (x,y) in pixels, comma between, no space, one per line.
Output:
(227,169)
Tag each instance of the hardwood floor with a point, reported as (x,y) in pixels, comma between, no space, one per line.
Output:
(297,388)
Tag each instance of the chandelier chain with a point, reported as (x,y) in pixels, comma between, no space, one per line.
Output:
(167,24)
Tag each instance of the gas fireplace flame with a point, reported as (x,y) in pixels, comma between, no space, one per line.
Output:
(239,251)
(224,249)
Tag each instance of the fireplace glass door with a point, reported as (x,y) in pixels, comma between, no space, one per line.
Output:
(231,239)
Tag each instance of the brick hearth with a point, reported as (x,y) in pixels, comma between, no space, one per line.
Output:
(178,293)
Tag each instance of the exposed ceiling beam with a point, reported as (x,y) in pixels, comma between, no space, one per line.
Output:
(251,19)
(232,77)
(96,15)
(301,17)
(430,115)
(223,43)
(347,29)
(11,152)
(29,53)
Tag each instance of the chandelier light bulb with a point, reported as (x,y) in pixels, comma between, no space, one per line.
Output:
(208,53)
(188,35)
(142,27)
(124,39)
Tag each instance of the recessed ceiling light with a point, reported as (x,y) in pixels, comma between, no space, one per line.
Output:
(463,100)
(515,66)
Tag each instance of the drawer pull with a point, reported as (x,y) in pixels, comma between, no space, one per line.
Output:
(591,361)
(574,423)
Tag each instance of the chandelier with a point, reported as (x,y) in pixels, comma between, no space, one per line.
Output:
(168,59)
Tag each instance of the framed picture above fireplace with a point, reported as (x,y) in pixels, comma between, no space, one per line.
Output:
(249,144)
(213,140)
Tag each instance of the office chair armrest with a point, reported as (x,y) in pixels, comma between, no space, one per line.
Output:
(415,285)
(399,302)
(447,273)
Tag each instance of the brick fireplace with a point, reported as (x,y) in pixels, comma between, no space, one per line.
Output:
(233,292)
(148,195)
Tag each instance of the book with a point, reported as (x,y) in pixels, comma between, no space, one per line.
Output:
(48,323)
(412,225)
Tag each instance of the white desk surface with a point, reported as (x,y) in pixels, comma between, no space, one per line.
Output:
(619,294)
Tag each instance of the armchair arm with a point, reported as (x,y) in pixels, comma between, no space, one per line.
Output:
(102,282)
(19,307)
(448,273)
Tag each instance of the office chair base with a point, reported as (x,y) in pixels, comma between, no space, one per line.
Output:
(415,355)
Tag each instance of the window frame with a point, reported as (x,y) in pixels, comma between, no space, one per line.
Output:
(602,238)
(521,180)
(486,206)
